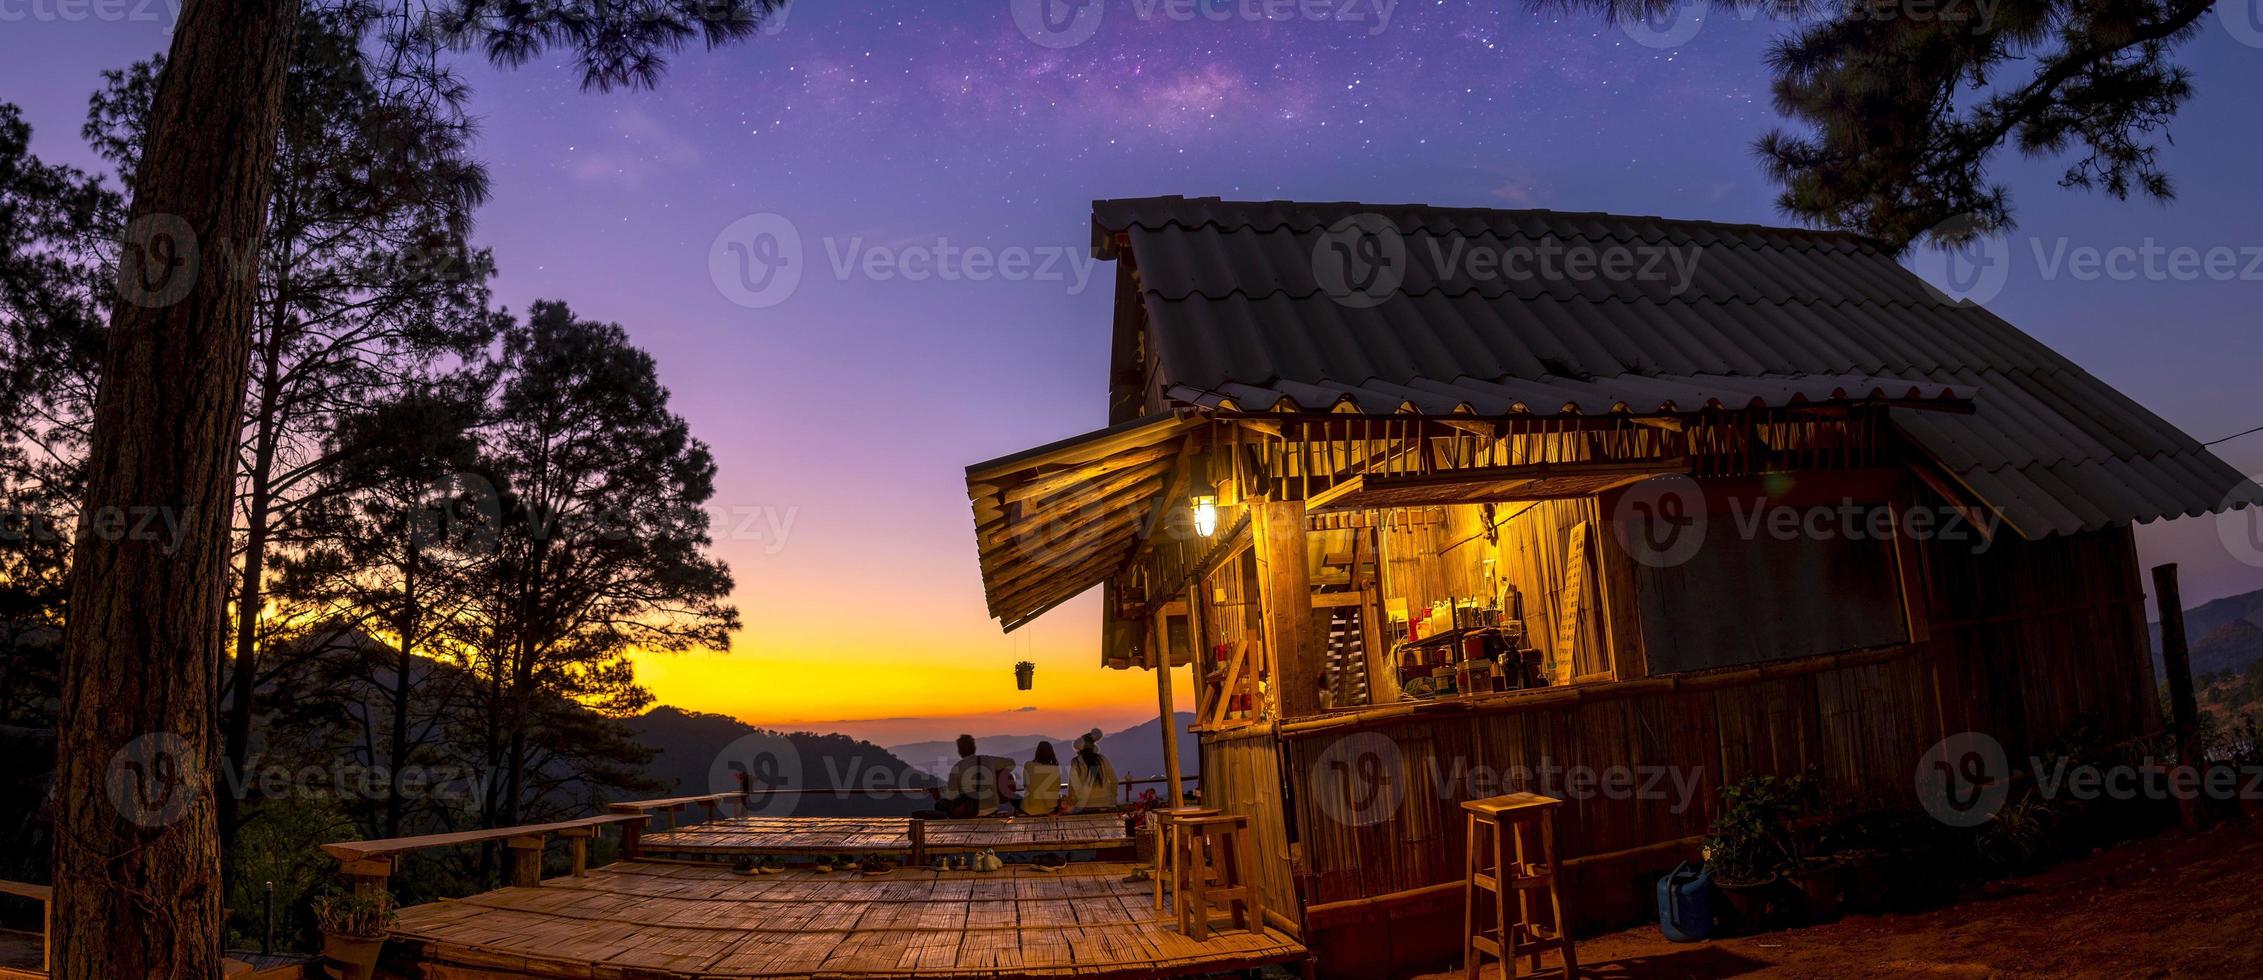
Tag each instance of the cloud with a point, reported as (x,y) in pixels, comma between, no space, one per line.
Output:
(641,148)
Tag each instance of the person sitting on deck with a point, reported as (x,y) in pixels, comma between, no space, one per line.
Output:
(1041,783)
(1092,778)
(978,785)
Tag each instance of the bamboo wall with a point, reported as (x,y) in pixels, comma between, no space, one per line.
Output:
(2023,642)
(1248,782)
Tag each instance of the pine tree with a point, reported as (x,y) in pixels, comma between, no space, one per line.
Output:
(603,535)
(139,649)
(1898,112)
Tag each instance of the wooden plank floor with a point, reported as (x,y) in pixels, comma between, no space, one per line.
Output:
(807,836)
(703,921)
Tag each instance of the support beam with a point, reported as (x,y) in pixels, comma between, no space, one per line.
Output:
(2176,658)
(1164,698)
(1285,589)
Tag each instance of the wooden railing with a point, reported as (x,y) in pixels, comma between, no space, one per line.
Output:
(669,808)
(368,863)
(45,896)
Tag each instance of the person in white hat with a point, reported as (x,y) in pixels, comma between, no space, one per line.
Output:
(1092,778)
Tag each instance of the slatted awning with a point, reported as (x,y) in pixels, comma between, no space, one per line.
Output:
(1056,520)
(1537,481)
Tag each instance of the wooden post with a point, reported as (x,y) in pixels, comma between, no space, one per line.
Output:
(2176,659)
(1164,697)
(632,833)
(918,840)
(579,836)
(367,874)
(526,861)
(1285,588)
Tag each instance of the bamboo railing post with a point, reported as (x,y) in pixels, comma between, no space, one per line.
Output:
(580,838)
(368,875)
(526,861)
(632,834)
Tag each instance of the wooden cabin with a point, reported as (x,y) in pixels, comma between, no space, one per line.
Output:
(1421,532)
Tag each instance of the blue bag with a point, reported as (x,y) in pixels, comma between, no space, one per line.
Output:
(1685,903)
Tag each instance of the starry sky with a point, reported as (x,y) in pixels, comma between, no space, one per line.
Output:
(844,410)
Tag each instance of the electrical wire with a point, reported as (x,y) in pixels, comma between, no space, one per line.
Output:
(2235,435)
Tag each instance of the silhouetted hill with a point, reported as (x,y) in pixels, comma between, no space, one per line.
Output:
(699,752)
(2225,635)
(2230,648)
(938,756)
(1136,751)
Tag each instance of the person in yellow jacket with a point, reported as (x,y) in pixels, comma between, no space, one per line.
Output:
(1041,782)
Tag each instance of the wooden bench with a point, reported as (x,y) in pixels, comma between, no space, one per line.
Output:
(45,896)
(670,807)
(370,862)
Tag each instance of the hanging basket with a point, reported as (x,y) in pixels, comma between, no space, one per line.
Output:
(1025,675)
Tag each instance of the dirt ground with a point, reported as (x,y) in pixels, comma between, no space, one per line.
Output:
(2177,905)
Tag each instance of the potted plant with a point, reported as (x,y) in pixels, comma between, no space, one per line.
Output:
(1749,846)
(354,927)
(1820,879)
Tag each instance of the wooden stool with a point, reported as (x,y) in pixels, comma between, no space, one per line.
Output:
(1211,869)
(1502,822)
(1159,822)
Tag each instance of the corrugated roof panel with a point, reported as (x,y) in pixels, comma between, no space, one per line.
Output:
(1240,317)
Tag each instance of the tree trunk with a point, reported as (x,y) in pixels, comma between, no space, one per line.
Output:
(244,690)
(243,695)
(137,864)
(407,627)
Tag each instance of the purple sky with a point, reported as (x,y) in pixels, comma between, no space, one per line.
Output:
(850,407)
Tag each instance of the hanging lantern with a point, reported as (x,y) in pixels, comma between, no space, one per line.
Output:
(1206,515)
(1025,675)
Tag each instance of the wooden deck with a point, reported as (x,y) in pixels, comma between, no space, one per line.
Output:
(690,920)
(811,836)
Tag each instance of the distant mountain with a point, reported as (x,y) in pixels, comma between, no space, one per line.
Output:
(695,748)
(2224,635)
(1136,751)
(2230,648)
(937,757)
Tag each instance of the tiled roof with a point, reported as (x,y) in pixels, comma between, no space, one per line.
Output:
(1242,315)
